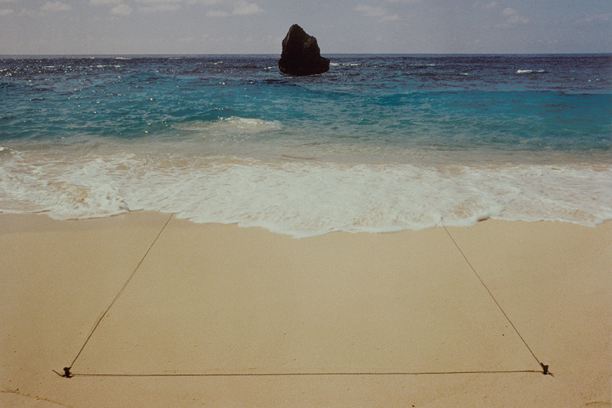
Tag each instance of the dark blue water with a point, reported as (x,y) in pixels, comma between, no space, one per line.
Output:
(380,142)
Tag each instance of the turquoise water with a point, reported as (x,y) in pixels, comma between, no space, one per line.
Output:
(379,143)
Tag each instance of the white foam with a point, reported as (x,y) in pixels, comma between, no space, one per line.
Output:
(301,198)
(530,71)
(346,64)
(233,125)
(63,189)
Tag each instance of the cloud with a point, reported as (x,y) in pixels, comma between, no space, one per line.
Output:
(118,8)
(239,8)
(152,6)
(482,6)
(6,12)
(217,14)
(28,13)
(148,6)
(512,18)
(157,2)
(160,7)
(55,6)
(104,2)
(121,10)
(243,8)
(594,18)
(378,13)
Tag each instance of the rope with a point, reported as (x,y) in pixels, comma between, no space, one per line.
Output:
(544,367)
(67,372)
(301,374)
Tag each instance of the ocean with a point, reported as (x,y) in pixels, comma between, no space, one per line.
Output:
(379,143)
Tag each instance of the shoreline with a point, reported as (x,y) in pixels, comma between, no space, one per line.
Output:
(242,305)
(298,197)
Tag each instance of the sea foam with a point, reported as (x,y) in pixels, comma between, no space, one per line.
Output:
(301,198)
(231,126)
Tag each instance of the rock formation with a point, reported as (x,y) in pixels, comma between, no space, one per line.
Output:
(301,54)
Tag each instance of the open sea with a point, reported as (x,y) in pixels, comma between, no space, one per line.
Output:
(379,143)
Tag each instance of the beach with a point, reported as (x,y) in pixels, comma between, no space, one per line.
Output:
(147,309)
(404,230)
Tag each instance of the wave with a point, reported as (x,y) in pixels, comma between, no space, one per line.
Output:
(231,126)
(345,64)
(299,197)
(530,71)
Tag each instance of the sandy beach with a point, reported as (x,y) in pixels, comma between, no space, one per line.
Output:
(147,310)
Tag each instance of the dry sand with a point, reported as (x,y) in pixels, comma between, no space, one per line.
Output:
(221,316)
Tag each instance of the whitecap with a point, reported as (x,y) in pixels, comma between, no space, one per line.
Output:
(530,71)
(232,125)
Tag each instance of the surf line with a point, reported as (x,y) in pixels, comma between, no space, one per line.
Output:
(67,370)
(544,366)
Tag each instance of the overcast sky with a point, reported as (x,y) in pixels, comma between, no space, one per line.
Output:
(341,26)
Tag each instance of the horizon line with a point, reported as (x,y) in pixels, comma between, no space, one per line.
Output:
(278,54)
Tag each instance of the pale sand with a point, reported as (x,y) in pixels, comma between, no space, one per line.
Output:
(349,320)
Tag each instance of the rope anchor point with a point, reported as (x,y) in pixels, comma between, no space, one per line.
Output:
(545,369)
(67,373)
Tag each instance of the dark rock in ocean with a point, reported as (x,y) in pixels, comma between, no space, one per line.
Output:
(301,54)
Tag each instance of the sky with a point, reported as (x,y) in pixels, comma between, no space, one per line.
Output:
(116,27)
